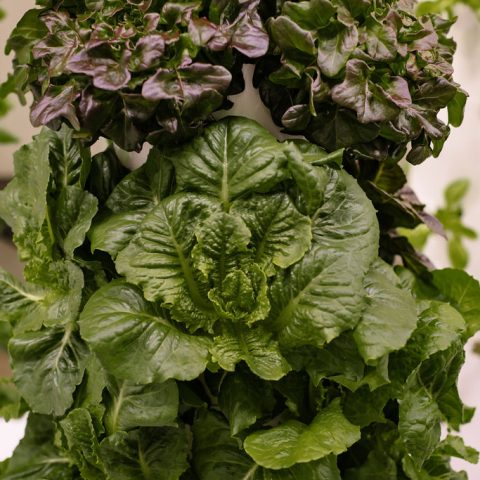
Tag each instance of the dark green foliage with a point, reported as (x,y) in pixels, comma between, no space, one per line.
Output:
(222,312)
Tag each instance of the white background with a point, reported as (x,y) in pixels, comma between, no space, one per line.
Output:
(460,158)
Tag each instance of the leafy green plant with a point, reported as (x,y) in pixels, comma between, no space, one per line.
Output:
(222,312)
(450,216)
(230,309)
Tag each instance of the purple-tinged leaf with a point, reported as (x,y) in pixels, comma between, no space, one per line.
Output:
(57,102)
(335,48)
(148,51)
(107,73)
(358,93)
(297,117)
(187,84)
(381,40)
(249,35)
(398,93)
(293,41)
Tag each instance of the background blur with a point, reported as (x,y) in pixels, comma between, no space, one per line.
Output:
(459,159)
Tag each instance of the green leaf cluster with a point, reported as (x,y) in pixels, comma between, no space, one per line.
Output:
(133,71)
(222,312)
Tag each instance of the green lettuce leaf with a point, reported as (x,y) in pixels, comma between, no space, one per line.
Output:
(131,406)
(294,442)
(47,367)
(217,456)
(133,340)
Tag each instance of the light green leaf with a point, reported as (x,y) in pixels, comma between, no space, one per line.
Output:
(463,292)
(134,342)
(280,234)
(323,295)
(244,399)
(83,444)
(75,210)
(47,366)
(456,108)
(158,258)
(252,345)
(217,456)
(146,454)
(294,442)
(389,318)
(233,157)
(23,203)
(238,286)
(132,406)
(456,191)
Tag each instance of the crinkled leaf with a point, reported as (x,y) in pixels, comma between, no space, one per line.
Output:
(56,302)
(280,234)
(134,342)
(145,454)
(186,85)
(158,257)
(294,442)
(82,443)
(234,156)
(23,202)
(252,345)
(47,366)
(131,406)
(369,100)
(239,287)
(55,104)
